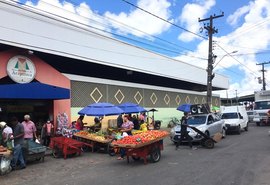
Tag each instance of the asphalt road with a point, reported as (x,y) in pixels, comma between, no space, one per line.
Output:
(237,160)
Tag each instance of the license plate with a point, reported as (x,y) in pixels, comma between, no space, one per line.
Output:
(256,119)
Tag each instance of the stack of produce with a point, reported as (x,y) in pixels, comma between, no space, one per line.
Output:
(3,149)
(142,137)
(99,137)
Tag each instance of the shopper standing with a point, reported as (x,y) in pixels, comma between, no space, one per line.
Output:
(47,132)
(29,128)
(18,135)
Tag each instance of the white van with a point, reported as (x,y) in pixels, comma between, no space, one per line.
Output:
(235,118)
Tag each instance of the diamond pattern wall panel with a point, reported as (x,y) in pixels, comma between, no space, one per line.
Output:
(83,93)
(120,94)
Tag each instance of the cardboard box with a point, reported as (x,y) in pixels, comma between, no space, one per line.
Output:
(217,137)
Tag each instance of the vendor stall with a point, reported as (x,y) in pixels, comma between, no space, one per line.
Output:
(66,146)
(94,140)
(142,145)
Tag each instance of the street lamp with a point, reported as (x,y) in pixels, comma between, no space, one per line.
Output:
(224,57)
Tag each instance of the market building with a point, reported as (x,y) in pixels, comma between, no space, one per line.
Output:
(50,66)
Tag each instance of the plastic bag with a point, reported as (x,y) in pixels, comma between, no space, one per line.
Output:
(37,141)
(5,165)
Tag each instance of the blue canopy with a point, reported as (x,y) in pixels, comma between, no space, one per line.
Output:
(34,90)
(100,109)
(129,108)
(184,107)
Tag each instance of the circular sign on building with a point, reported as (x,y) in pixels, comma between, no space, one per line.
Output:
(21,69)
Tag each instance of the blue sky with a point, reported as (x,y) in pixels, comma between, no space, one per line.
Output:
(244,28)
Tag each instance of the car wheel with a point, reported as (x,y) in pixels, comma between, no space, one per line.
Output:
(258,124)
(239,130)
(223,133)
(246,128)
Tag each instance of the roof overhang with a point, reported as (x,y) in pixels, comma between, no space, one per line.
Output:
(34,90)
(50,34)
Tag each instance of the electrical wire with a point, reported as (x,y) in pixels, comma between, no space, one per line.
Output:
(118,35)
(236,60)
(133,28)
(133,40)
(169,22)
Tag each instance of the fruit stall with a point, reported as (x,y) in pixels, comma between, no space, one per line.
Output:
(142,145)
(96,140)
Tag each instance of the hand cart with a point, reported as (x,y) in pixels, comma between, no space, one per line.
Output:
(206,140)
(65,146)
(136,152)
(34,151)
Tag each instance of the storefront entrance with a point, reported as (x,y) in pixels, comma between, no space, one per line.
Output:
(39,110)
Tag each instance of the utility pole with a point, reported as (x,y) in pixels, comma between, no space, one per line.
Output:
(263,71)
(236,98)
(211,30)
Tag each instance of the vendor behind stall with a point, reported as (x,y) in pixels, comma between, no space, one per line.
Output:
(7,135)
(97,121)
(79,123)
(126,127)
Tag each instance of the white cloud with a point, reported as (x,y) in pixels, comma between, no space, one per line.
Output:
(82,14)
(143,21)
(234,18)
(252,33)
(189,17)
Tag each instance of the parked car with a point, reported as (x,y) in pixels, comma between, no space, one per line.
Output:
(210,124)
(235,118)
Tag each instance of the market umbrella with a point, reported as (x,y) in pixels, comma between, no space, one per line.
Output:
(100,109)
(129,108)
(184,107)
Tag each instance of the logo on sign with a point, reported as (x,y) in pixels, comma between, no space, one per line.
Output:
(21,69)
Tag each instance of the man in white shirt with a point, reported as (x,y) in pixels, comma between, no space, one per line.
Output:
(7,133)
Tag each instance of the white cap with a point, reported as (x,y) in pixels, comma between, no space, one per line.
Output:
(2,124)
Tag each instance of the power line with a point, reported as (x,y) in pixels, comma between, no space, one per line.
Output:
(154,15)
(237,60)
(77,45)
(252,27)
(134,28)
(120,36)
